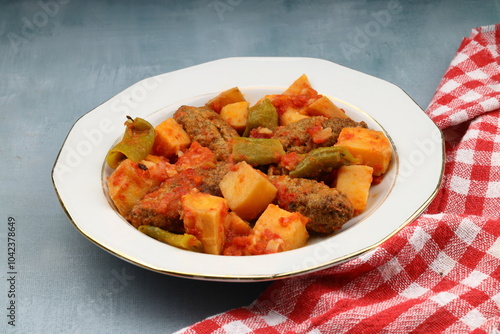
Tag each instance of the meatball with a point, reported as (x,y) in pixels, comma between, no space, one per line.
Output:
(162,207)
(207,128)
(298,136)
(327,208)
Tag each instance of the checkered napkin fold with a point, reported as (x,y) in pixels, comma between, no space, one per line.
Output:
(441,273)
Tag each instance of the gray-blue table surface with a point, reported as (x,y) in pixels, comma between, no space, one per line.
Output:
(61,58)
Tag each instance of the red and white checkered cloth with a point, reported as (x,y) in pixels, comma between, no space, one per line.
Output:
(441,273)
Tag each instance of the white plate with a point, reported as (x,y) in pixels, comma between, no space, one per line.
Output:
(409,186)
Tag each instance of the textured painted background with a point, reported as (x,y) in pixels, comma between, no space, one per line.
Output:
(61,58)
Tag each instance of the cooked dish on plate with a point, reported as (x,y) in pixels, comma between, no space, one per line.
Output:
(396,197)
(234,178)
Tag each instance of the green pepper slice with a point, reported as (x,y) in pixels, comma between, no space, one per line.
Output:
(183,241)
(264,115)
(136,144)
(323,159)
(257,151)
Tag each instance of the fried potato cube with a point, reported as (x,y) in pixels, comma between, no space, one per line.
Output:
(290,227)
(229,96)
(355,181)
(204,217)
(170,138)
(270,97)
(301,86)
(236,115)
(127,185)
(247,191)
(323,106)
(370,146)
(235,226)
(290,116)
(130,181)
